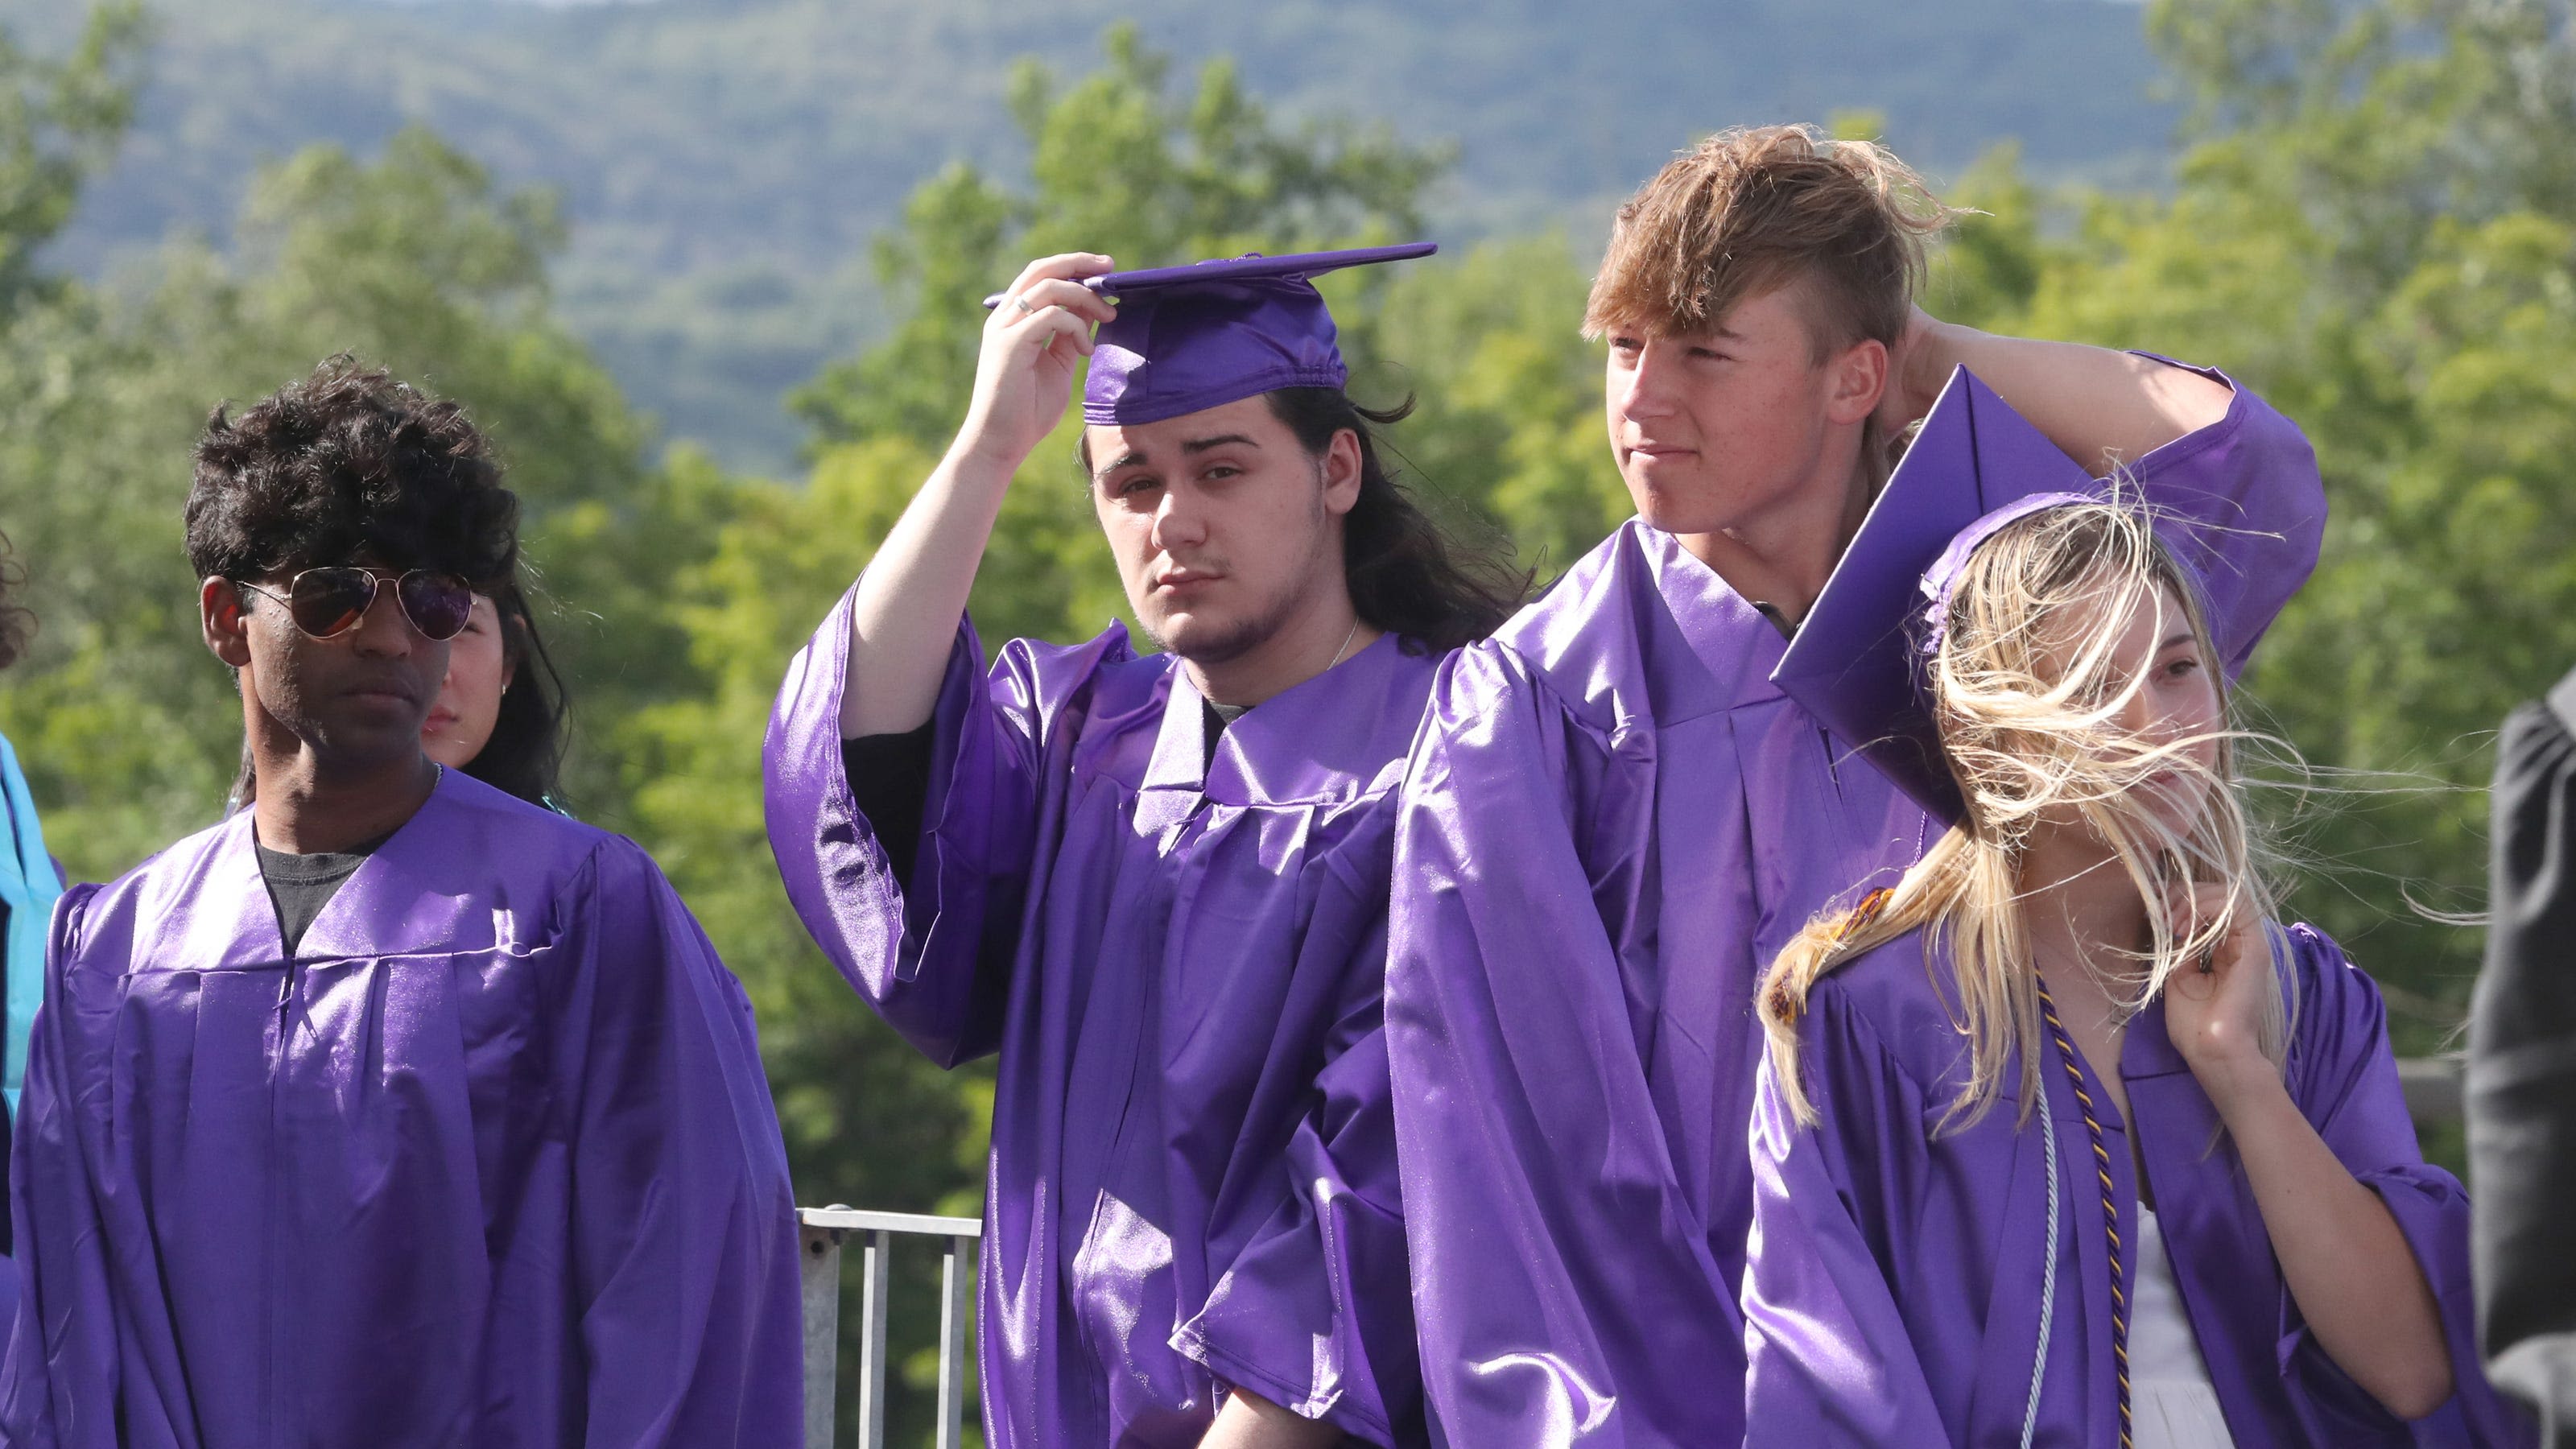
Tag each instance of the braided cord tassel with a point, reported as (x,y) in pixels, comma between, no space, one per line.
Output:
(2110,1207)
(1858,918)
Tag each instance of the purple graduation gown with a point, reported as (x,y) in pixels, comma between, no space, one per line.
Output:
(1896,1276)
(490,1161)
(1613,822)
(1180,961)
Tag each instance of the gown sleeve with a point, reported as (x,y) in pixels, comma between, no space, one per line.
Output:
(2522,1072)
(2344,1076)
(683,1243)
(930,950)
(1831,1360)
(2253,510)
(1558,1276)
(1315,1313)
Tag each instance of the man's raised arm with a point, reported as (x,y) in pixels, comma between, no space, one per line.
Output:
(2104,408)
(2238,479)
(908,602)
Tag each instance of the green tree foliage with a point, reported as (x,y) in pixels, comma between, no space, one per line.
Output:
(1122,166)
(413,261)
(728,161)
(59,123)
(1508,427)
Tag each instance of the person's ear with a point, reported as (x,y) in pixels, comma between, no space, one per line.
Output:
(1341,472)
(1856,378)
(226,623)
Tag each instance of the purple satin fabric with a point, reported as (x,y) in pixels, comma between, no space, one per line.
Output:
(1613,822)
(1180,962)
(1897,1273)
(1191,338)
(490,1162)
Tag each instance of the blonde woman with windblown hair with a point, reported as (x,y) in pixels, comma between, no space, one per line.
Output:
(2061,1139)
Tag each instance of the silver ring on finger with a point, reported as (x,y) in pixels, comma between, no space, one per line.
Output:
(1023,304)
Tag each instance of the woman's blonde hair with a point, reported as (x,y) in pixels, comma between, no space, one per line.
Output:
(2026,689)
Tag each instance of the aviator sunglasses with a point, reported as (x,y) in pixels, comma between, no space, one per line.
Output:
(328,602)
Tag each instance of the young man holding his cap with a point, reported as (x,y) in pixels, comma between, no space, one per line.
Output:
(1155,885)
(1614,820)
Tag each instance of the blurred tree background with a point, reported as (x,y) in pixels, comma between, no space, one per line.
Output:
(726,162)
(2371,219)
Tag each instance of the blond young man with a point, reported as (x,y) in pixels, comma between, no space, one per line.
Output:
(1613,820)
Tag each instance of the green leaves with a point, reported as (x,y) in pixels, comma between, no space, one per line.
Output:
(1120,164)
(59,123)
(1509,424)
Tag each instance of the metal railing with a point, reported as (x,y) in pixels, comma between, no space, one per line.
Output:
(822,1232)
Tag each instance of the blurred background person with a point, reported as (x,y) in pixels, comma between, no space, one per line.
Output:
(2522,1070)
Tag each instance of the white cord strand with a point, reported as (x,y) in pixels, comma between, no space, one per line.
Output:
(2048,1274)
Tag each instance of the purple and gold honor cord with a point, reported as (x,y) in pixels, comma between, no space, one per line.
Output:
(2110,1205)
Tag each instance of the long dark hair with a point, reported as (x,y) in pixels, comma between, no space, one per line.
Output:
(17,622)
(525,753)
(1407,574)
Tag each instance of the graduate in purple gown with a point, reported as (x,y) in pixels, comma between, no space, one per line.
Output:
(1614,820)
(2061,1140)
(1155,885)
(394,1110)
(2522,1068)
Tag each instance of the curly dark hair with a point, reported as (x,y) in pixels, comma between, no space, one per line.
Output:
(1408,575)
(349,464)
(17,622)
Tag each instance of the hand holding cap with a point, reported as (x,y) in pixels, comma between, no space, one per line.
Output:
(1199,336)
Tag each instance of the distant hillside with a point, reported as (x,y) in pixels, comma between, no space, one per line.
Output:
(726,161)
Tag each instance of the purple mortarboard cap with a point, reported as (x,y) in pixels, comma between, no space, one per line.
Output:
(1858,663)
(1187,338)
